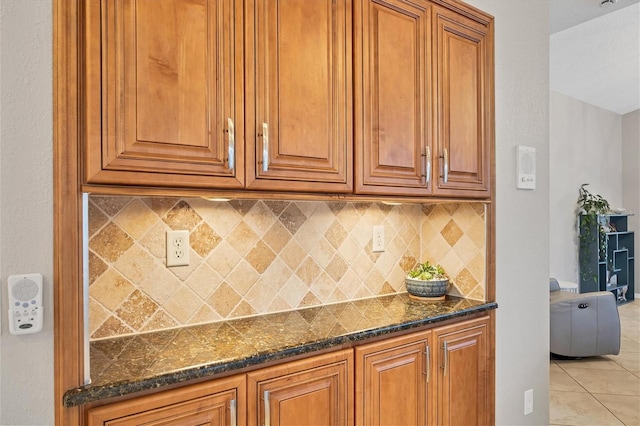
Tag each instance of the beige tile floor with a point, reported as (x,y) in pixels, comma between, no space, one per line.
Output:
(602,390)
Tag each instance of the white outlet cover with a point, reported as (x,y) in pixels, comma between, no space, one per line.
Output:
(178,248)
(378,239)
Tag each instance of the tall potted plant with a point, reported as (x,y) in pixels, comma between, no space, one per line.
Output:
(591,207)
(591,204)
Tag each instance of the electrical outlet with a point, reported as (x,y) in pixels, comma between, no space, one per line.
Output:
(177,248)
(378,238)
(528,402)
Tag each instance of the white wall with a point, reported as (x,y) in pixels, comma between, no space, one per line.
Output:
(631,180)
(26,202)
(522,253)
(585,147)
(522,91)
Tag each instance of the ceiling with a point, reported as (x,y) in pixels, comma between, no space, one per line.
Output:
(595,52)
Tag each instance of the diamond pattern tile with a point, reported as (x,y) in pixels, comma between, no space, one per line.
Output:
(292,218)
(293,291)
(260,219)
(136,219)
(111,289)
(110,205)
(308,271)
(224,299)
(110,243)
(252,257)
(182,216)
(136,309)
(183,304)
(277,237)
(203,281)
(243,238)
(260,257)
(451,232)
(203,239)
(97,219)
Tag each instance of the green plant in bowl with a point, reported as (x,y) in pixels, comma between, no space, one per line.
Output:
(427,282)
(426,271)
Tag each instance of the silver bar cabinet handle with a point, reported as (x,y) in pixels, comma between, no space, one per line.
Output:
(267,409)
(265,147)
(427,353)
(446,166)
(232,144)
(234,412)
(428,168)
(446,357)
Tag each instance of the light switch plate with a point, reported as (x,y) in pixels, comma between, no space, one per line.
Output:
(378,239)
(528,402)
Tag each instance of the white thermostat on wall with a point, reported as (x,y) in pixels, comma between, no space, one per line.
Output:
(25,303)
(525,167)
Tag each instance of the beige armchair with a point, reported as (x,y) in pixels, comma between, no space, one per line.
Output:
(585,324)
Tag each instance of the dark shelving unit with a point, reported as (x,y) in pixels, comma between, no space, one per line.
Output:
(606,256)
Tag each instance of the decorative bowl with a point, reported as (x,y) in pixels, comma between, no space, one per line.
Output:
(427,290)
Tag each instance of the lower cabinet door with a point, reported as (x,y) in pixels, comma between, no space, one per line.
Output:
(314,391)
(463,373)
(219,402)
(393,380)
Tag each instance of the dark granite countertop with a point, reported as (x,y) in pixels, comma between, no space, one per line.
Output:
(125,365)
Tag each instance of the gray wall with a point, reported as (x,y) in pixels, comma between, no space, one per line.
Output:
(522,253)
(585,147)
(26,203)
(522,91)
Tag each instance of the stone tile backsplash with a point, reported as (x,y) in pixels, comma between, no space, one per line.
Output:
(252,257)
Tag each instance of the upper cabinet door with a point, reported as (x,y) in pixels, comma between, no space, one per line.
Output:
(299,95)
(464,103)
(392,44)
(164,93)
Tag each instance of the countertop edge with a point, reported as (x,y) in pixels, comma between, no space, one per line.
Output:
(91,393)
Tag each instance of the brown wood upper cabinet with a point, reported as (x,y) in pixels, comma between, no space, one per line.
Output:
(299,95)
(424,99)
(463,81)
(164,93)
(393,128)
(380,97)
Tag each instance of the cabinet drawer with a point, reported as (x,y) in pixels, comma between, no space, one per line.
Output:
(217,402)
